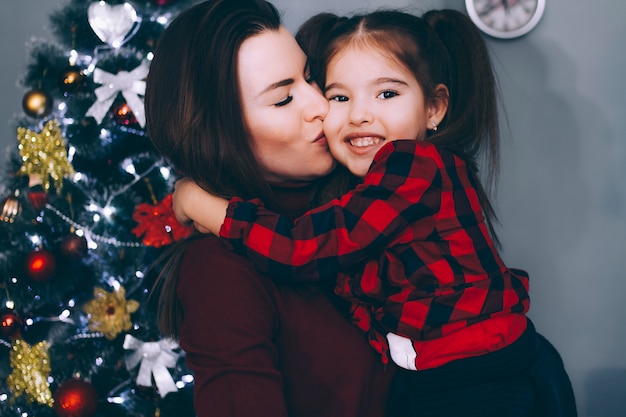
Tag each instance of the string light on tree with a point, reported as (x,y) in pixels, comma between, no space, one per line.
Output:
(106,212)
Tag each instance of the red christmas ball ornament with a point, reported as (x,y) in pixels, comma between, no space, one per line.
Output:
(74,247)
(10,323)
(124,116)
(40,265)
(75,398)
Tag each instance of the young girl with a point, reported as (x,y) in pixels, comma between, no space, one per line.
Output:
(412,104)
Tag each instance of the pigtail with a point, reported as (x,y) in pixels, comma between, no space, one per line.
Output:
(471,128)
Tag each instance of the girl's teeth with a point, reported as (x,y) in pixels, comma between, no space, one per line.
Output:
(362,142)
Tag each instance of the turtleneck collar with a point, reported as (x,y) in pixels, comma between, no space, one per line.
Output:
(294,198)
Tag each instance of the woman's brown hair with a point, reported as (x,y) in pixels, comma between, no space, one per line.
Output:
(194,114)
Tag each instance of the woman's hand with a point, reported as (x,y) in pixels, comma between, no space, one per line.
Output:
(193,205)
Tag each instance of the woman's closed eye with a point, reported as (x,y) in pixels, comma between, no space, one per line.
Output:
(284,102)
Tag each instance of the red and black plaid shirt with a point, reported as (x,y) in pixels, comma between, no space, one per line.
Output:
(410,245)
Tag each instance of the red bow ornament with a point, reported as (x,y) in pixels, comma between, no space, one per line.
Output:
(158,225)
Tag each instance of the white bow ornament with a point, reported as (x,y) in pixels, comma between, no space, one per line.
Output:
(130,84)
(155,358)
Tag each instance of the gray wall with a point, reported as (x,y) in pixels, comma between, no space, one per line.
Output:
(562,198)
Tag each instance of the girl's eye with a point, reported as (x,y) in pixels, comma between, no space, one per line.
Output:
(337,98)
(387,94)
(284,102)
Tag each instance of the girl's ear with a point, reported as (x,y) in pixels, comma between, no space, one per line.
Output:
(438,105)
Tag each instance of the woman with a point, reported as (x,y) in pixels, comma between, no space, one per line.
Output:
(229,103)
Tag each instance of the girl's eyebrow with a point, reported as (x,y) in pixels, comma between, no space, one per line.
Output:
(278,84)
(381,80)
(333,85)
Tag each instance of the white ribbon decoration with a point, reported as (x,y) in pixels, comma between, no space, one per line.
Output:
(155,358)
(130,84)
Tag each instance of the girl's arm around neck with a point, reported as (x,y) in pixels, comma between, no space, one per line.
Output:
(399,189)
(192,204)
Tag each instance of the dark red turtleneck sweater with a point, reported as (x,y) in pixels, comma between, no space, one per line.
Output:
(261,349)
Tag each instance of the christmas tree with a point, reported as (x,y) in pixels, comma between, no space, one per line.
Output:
(85,213)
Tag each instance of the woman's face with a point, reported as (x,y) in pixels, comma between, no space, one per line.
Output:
(282,110)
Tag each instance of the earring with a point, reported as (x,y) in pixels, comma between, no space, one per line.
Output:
(434,126)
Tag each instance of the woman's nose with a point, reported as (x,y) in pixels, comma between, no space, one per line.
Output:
(316,106)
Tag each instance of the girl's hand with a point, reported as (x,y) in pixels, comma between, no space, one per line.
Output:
(182,198)
(201,228)
(193,205)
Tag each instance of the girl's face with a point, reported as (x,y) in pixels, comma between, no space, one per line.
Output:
(282,110)
(373,100)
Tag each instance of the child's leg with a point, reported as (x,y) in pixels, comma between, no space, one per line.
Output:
(495,384)
(511,397)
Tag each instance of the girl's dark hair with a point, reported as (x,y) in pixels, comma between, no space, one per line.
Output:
(441,47)
(194,113)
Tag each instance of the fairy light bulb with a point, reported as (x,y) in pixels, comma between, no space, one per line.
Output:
(108,212)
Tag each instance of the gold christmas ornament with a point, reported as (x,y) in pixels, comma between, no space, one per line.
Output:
(109,312)
(37,103)
(30,371)
(44,155)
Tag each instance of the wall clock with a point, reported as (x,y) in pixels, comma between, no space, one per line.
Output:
(505,19)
